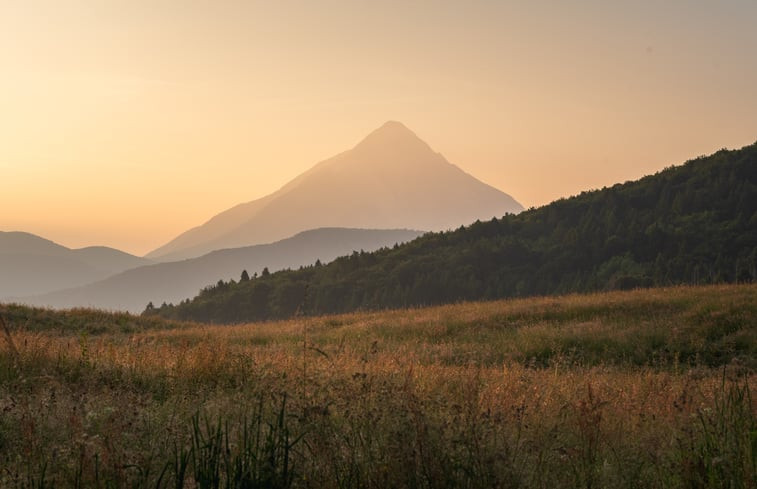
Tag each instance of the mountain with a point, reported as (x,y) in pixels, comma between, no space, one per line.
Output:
(32,265)
(691,224)
(390,180)
(131,290)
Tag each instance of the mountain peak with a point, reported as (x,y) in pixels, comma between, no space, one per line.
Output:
(391,179)
(392,134)
(395,126)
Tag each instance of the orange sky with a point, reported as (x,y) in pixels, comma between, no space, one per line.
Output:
(124,123)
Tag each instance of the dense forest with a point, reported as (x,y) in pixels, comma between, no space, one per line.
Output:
(693,224)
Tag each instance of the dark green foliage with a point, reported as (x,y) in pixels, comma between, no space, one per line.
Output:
(254,452)
(721,450)
(80,320)
(692,224)
(254,455)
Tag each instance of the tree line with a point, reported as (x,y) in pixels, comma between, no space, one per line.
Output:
(691,224)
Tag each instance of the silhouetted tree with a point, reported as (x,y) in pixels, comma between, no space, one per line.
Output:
(245,276)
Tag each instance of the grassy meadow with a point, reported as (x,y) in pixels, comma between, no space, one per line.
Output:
(645,388)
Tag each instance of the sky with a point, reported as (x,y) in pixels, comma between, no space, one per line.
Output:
(124,123)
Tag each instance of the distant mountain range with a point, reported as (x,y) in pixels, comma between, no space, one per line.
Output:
(691,224)
(31,265)
(362,199)
(390,180)
(131,290)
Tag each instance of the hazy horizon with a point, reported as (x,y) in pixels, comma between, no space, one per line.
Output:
(125,124)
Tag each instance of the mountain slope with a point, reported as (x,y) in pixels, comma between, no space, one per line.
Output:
(389,180)
(31,265)
(695,223)
(175,281)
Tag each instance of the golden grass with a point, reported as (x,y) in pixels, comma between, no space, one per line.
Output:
(615,390)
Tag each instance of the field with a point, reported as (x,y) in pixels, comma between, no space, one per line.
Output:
(646,388)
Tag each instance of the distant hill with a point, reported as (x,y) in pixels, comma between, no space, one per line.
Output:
(390,180)
(693,224)
(169,282)
(32,265)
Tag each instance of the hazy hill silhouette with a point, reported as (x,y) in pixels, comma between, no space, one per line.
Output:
(691,224)
(131,290)
(390,180)
(32,265)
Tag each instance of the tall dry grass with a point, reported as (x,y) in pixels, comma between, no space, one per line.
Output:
(634,389)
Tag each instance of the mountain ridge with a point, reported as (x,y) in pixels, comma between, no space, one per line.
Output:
(390,179)
(132,289)
(32,264)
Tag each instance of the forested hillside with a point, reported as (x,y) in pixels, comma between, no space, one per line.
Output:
(695,223)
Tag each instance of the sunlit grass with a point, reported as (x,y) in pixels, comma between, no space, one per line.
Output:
(646,388)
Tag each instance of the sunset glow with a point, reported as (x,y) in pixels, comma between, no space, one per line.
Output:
(126,123)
